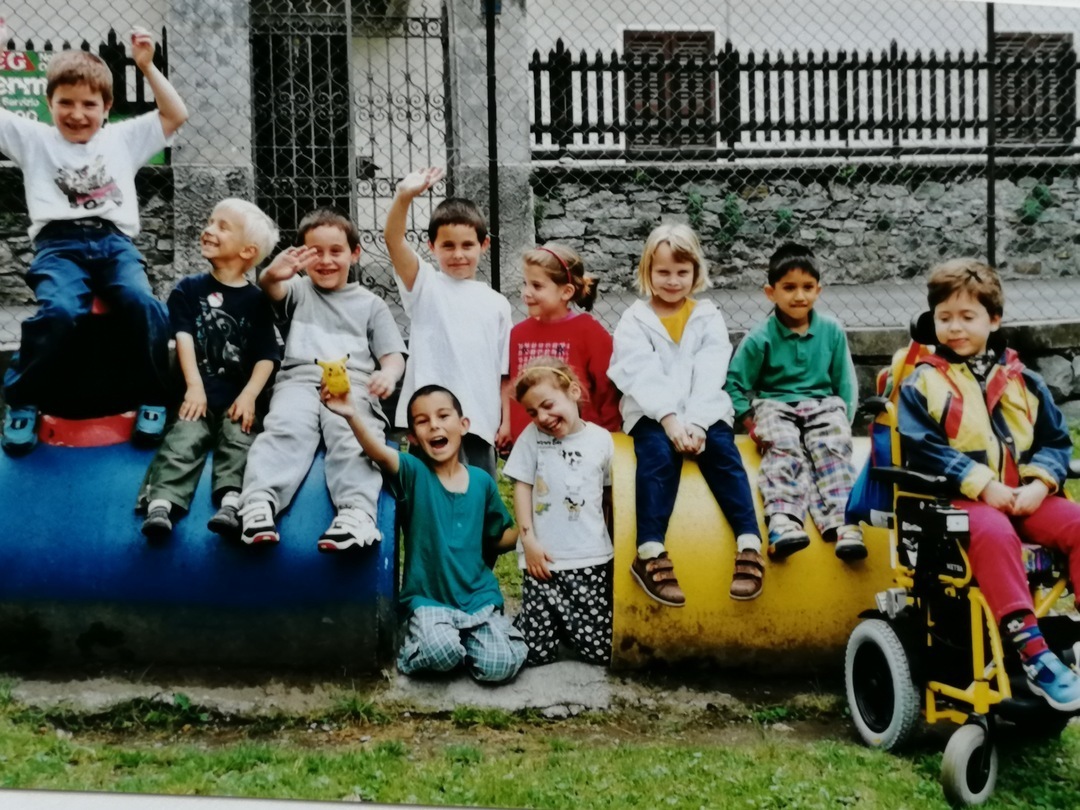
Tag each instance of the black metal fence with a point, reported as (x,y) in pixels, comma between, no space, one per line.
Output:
(732,103)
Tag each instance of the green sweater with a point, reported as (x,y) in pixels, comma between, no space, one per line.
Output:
(773,362)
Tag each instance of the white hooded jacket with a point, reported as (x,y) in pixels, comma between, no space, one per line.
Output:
(658,376)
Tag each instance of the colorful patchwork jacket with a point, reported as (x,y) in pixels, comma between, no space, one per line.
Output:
(1010,432)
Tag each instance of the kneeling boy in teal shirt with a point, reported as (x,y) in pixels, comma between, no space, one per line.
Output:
(450,510)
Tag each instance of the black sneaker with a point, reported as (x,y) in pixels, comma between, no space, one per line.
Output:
(226,522)
(158,524)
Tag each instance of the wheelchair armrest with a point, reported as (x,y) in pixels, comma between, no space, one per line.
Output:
(1074,469)
(908,479)
(872,406)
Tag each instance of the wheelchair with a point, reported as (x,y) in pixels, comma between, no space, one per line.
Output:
(931,644)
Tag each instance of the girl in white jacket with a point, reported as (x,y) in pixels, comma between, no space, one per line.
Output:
(670,361)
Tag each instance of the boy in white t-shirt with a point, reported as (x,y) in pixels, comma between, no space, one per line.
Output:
(460,333)
(84,213)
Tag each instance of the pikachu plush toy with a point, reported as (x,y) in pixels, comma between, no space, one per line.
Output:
(334,375)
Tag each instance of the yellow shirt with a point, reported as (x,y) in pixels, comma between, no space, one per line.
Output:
(675,324)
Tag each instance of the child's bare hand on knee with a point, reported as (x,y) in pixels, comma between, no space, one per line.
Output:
(696,439)
(341,404)
(999,496)
(243,411)
(1029,497)
(676,432)
(193,408)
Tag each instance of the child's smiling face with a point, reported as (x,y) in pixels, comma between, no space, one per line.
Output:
(78,111)
(963,324)
(330,270)
(437,426)
(553,410)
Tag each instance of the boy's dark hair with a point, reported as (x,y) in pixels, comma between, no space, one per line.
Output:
(329,217)
(969,275)
(457,211)
(427,390)
(791,256)
(80,67)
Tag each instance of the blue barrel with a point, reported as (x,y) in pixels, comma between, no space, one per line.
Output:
(80,583)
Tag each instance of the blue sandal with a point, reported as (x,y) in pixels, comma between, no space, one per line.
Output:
(20,430)
(149,425)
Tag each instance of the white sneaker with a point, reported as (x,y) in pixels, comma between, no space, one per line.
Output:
(351,527)
(257,520)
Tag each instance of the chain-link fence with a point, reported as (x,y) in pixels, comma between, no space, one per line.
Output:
(884,134)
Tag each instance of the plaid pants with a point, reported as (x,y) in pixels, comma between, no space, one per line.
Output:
(573,606)
(441,638)
(807,459)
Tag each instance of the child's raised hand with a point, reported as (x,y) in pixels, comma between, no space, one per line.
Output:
(142,48)
(243,411)
(290,262)
(416,183)
(999,496)
(1028,498)
(536,560)
(341,404)
(382,383)
(193,408)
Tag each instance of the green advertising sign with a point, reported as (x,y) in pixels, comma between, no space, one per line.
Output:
(22,84)
(22,88)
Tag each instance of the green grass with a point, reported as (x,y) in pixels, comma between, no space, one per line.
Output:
(596,764)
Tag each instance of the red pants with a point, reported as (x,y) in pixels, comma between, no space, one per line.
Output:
(995,554)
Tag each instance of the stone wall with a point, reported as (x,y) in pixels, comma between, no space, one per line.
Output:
(155,189)
(867,222)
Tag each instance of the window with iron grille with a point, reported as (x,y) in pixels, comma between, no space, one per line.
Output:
(300,86)
(1035,91)
(670,88)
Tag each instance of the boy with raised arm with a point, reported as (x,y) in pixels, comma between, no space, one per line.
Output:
(79,177)
(227,350)
(330,319)
(460,336)
(450,513)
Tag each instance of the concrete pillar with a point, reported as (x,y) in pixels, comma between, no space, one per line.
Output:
(467,134)
(210,66)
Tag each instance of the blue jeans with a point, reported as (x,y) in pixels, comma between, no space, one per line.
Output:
(73,263)
(659,467)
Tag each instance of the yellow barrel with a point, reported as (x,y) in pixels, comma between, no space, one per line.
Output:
(810,603)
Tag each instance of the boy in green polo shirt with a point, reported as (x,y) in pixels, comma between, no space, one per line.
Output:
(793,386)
(449,512)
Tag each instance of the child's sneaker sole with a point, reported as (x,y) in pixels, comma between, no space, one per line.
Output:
(261,537)
(851,550)
(786,546)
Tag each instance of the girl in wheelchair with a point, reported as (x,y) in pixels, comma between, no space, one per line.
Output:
(973,413)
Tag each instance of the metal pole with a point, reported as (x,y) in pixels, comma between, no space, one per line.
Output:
(493,144)
(991,138)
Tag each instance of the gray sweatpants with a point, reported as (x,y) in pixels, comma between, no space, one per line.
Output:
(281,455)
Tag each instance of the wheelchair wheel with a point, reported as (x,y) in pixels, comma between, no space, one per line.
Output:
(968,774)
(881,694)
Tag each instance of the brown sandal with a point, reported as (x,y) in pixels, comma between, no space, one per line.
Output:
(746,582)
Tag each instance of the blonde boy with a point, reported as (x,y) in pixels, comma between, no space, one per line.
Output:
(460,335)
(227,350)
(80,192)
